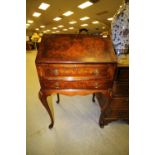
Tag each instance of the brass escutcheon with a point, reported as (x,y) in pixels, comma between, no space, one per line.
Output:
(96,84)
(55,71)
(56,85)
(96,72)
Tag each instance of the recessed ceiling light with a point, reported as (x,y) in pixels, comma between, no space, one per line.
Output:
(41,34)
(53,32)
(45,31)
(95,22)
(37,29)
(65,29)
(27,25)
(36,14)
(84,18)
(104,36)
(60,26)
(68,13)
(84,25)
(42,26)
(30,21)
(72,22)
(48,30)
(85,5)
(57,31)
(43,6)
(110,19)
(57,18)
(71,28)
(54,28)
(103,27)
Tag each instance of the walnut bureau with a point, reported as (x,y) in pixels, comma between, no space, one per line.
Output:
(72,64)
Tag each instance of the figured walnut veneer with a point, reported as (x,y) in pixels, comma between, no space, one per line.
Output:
(75,65)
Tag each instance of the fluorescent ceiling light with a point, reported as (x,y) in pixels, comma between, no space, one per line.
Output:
(84,18)
(110,19)
(41,34)
(54,28)
(84,25)
(57,18)
(71,28)
(42,26)
(37,29)
(43,6)
(65,29)
(95,22)
(68,13)
(36,14)
(104,36)
(85,5)
(30,21)
(60,26)
(72,22)
(27,25)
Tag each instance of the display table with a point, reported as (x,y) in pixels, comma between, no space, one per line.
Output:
(75,65)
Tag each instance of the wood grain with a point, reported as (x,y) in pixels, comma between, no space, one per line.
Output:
(76,65)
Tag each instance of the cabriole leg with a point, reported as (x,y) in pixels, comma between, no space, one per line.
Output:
(58,98)
(104,107)
(93,99)
(43,99)
(101,119)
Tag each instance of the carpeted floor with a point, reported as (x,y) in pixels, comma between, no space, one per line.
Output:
(76,130)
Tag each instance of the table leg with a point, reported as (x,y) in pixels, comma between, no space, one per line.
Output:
(43,99)
(58,98)
(93,99)
(101,119)
(104,107)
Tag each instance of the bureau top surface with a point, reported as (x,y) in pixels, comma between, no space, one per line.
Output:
(75,48)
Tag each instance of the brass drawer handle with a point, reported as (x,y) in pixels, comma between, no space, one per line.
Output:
(75,67)
(97,85)
(96,72)
(56,85)
(55,71)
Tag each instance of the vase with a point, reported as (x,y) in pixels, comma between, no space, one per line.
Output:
(120,30)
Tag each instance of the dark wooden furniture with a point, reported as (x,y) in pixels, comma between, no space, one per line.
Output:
(119,107)
(75,65)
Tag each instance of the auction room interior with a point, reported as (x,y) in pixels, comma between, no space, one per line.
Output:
(76,104)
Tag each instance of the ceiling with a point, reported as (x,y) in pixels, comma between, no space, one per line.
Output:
(99,11)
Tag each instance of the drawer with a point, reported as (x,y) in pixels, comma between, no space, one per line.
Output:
(105,71)
(121,89)
(122,74)
(120,103)
(119,114)
(80,84)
